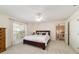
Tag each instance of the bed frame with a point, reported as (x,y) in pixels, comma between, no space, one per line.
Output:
(38,44)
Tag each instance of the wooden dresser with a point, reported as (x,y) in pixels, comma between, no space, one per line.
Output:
(2,40)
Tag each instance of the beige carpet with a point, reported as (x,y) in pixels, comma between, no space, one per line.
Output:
(54,47)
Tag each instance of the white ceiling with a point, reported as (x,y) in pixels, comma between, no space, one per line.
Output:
(27,13)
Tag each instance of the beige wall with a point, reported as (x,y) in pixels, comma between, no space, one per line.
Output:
(5,23)
(44,26)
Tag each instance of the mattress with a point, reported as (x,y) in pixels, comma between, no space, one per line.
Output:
(38,38)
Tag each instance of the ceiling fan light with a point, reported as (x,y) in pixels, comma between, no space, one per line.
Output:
(39,18)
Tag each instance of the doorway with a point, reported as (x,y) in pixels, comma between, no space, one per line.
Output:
(60,32)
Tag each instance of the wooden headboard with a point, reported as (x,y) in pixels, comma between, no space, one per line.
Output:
(43,31)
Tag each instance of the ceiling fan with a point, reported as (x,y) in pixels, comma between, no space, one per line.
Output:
(39,16)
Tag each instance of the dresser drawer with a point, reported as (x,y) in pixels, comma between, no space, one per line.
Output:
(2,41)
(2,33)
(1,50)
(2,45)
(2,37)
(2,29)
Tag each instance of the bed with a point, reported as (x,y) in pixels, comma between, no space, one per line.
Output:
(41,39)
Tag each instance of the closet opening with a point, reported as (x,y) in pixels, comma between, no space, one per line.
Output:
(60,32)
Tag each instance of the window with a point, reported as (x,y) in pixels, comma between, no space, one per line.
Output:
(18,31)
